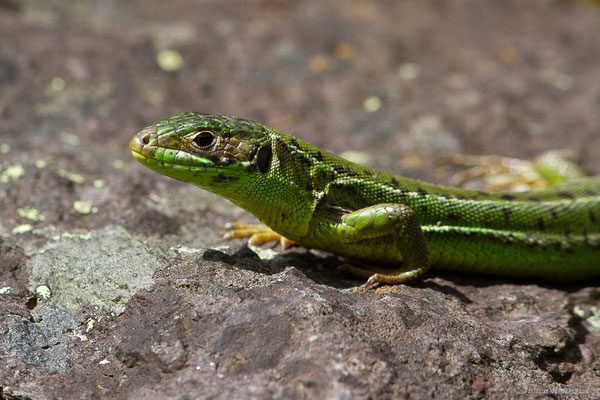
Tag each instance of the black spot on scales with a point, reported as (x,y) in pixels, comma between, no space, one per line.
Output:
(404,193)
(341,170)
(565,195)
(280,143)
(591,215)
(395,182)
(487,220)
(317,156)
(337,168)
(533,198)
(453,216)
(253,151)
(508,197)
(304,159)
(222,178)
(557,246)
(541,224)
(507,213)
(422,192)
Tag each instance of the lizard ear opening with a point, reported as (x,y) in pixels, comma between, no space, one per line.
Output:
(263,158)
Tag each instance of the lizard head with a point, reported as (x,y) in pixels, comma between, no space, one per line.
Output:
(252,165)
(210,151)
(269,173)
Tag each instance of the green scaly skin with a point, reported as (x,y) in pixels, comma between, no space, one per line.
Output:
(404,226)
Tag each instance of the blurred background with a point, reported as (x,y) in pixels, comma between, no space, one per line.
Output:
(111,281)
(402,81)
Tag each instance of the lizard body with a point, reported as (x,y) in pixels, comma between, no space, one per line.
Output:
(322,201)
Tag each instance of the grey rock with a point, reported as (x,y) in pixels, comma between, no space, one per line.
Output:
(136,297)
(103,269)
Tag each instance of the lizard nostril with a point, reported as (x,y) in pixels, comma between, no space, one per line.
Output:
(145,137)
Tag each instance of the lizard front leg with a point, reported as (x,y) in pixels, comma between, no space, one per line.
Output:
(396,220)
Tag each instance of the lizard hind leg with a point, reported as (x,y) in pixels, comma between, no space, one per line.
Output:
(398,221)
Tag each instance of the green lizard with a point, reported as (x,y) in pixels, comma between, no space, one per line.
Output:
(403,225)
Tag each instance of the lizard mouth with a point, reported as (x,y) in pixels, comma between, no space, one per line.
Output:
(146,147)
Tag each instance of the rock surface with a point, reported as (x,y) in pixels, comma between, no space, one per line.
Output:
(114,282)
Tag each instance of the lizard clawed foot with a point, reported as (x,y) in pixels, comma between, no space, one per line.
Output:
(351,269)
(257,233)
(375,278)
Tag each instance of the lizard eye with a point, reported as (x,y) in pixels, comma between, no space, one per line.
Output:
(204,139)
